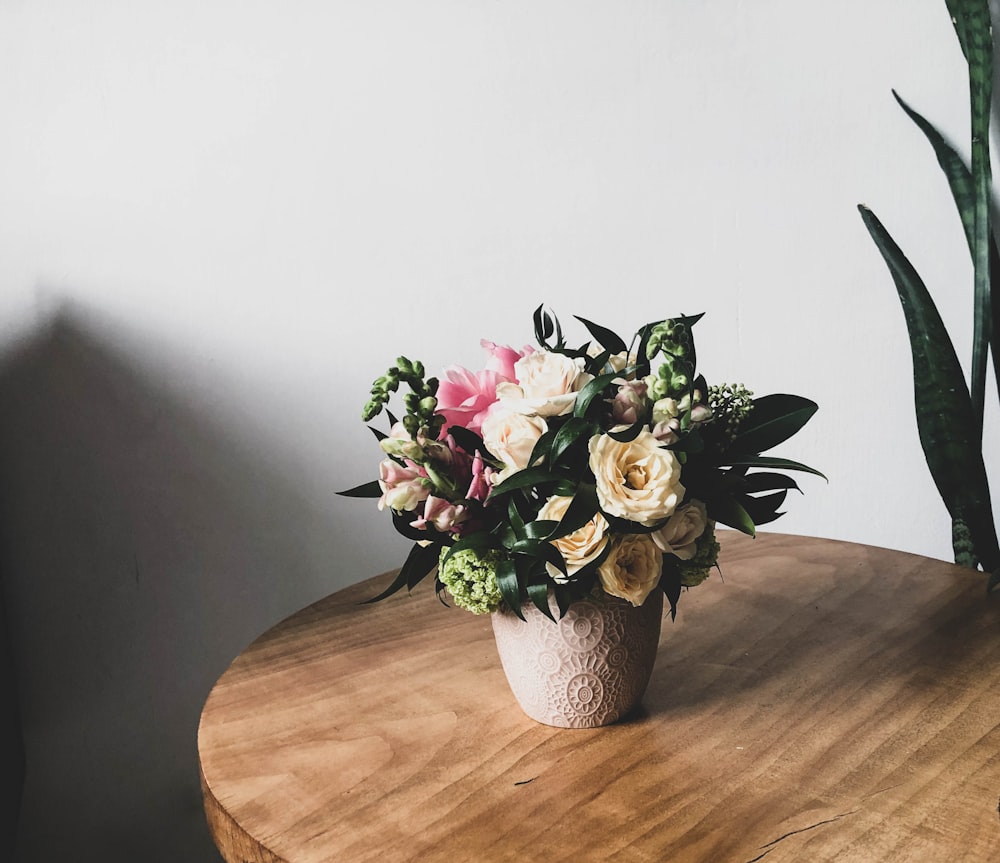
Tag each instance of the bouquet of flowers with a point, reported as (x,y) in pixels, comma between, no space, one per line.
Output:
(580,471)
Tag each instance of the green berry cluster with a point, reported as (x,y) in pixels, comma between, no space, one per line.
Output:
(731,405)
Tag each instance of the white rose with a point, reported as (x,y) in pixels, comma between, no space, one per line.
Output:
(680,534)
(547,382)
(638,480)
(580,547)
(511,436)
(632,568)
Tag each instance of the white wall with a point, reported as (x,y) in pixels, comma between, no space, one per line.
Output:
(219,221)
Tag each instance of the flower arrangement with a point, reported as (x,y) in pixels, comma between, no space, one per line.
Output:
(583,471)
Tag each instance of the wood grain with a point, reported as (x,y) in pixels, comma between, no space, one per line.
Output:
(818,701)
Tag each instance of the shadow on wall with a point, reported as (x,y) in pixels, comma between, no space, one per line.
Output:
(142,548)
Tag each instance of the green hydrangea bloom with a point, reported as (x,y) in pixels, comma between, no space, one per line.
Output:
(697,569)
(471,579)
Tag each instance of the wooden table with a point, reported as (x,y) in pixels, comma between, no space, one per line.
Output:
(818,701)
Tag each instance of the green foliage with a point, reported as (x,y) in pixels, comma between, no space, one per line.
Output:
(949,412)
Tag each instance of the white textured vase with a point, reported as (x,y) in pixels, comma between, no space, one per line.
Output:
(589,668)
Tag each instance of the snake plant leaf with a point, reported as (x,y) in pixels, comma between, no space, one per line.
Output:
(773,420)
(367,489)
(964,194)
(973,27)
(945,418)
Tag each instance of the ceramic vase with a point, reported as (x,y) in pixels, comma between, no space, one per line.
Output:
(589,668)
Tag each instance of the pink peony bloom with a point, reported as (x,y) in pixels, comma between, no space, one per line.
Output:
(464,397)
(503,357)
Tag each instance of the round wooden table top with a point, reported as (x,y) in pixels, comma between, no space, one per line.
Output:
(817,701)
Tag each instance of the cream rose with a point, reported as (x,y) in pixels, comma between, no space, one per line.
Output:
(617,362)
(638,480)
(632,568)
(680,534)
(580,547)
(511,436)
(547,382)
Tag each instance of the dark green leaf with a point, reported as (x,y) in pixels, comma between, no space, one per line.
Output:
(607,339)
(629,433)
(763,510)
(420,561)
(729,512)
(543,325)
(467,440)
(531,476)
(670,582)
(591,391)
(772,421)
(772,461)
(368,489)
(541,529)
(509,586)
(540,550)
(757,482)
(570,432)
(538,593)
(581,509)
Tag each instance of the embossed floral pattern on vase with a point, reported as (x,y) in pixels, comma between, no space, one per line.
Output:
(589,668)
